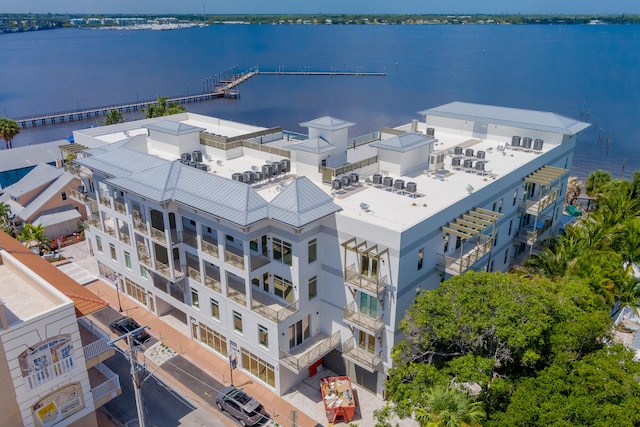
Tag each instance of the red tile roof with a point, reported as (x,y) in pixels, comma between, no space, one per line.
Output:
(85,301)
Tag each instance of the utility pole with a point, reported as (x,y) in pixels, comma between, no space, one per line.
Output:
(137,383)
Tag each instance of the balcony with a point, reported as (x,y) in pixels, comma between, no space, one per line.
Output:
(361,320)
(189,237)
(104,199)
(92,205)
(368,284)
(235,259)
(532,233)
(124,237)
(305,355)
(361,357)
(211,248)
(81,196)
(258,261)
(109,230)
(138,224)
(143,255)
(120,207)
(236,292)
(49,372)
(194,274)
(94,222)
(159,235)
(535,206)
(77,170)
(165,270)
(105,385)
(458,265)
(95,343)
(212,279)
(271,308)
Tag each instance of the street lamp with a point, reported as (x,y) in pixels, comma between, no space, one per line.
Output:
(118,293)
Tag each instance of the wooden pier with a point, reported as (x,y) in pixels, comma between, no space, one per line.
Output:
(223,88)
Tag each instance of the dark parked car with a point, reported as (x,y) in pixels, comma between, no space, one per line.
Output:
(241,406)
(125,325)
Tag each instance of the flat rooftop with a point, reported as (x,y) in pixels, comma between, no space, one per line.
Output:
(23,298)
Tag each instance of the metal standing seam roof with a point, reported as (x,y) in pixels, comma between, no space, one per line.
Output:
(53,190)
(121,162)
(211,193)
(173,128)
(41,175)
(403,143)
(327,123)
(60,216)
(311,145)
(300,203)
(527,119)
(111,146)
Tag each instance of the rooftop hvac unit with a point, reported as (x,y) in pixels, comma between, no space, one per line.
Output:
(377,178)
(480,166)
(186,157)
(468,163)
(285,165)
(258,176)
(237,177)
(202,167)
(399,184)
(515,141)
(412,187)
(276,168)
(248,177)
(455,161)
(196,155)
(480,154)
(336,184)
(346,181)
(468,152)
(267,170)
(431,132)
(526,142)
(457,150)
(387,181)
(354,177)
(537,144)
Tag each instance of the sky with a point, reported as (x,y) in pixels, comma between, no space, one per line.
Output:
(167,7)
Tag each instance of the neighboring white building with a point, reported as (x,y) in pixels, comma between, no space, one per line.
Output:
(286,254)
(50,361)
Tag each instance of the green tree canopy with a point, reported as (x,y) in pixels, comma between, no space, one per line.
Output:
(8,130)
(597,181)
(33,236)
(163,108)
(113,117)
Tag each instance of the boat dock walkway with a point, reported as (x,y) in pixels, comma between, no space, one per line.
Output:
(224,87)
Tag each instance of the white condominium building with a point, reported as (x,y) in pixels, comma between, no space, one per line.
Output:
(286,252)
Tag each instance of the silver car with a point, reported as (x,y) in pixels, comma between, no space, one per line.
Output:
(241,406)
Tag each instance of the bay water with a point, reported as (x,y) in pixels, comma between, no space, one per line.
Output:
(586,72)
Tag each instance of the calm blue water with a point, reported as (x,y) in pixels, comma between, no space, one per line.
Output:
(571,70)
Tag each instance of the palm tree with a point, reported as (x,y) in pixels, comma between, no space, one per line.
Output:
(8,130)
(113,118)
(447,407)
(160,108)
(597,181)
(5,215)
(574,188)
(33,237)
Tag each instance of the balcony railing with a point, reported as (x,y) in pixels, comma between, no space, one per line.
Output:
(531,236)
(372,285)
(104,199)
(77,170)
(537,205)
(210,248)
(99,347)
(165,270)
(236,292)
(458,265)
(138,224)
(257,261)
(109,230)
(79,196)
(109,389)
(361,357)
(48,373)
(233,259)
(212,283)
(305,355)
(362,320)
(143,256)
(120,207)
(124,236)
(93,206)
(276,315)
(190,238)
(194,274)
(94,222)
(159,235)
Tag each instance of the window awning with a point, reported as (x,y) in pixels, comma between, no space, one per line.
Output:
(545,175)
(472,223)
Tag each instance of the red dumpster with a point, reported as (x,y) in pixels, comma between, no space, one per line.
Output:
(337,395)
